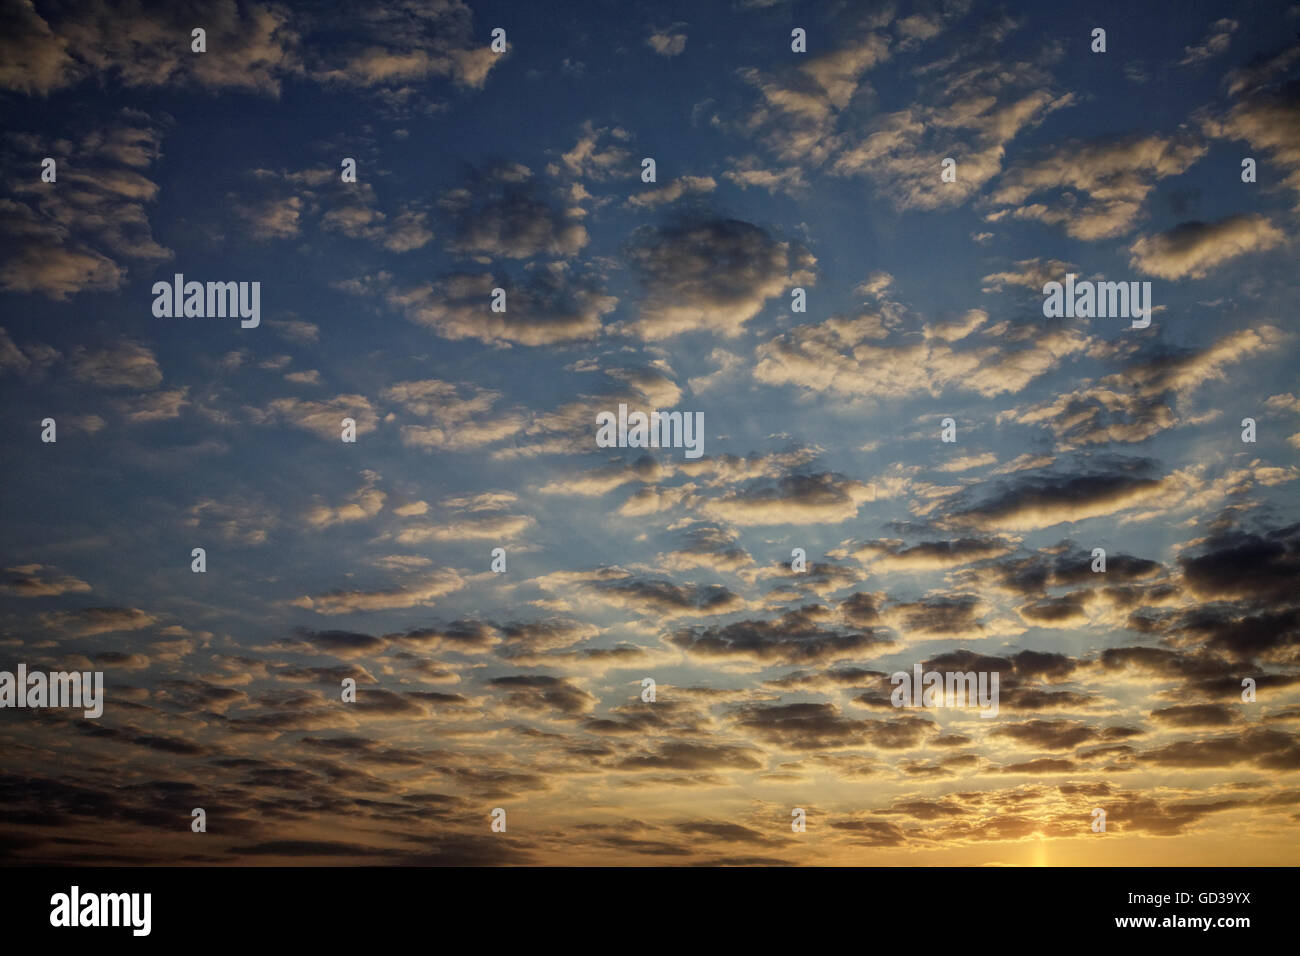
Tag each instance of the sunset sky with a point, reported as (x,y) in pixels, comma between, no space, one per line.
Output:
(476,430)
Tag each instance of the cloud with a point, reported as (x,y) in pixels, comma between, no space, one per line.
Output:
(1196,715)
(1266,749)
(567,429)
(1283,403)
(402,232)
(276,205)
(124,365)
(73,235)
(33,57)
(461,636)
(1266,113)
(794,499)
(837,356)
(1264,567)
(814,726)
(276,218)
(344,644)
(500,528)
(87,622)
(549,307)
(673,191)
(1139,401)
(59,272)
(366,502)
(482,501)
(968,462)
(462,415)
(237,519)
(793,638)
(296,330)
(1049,734)
(1030,274)
(709,546)
(939,616)
(894,556)
(252,47)
(1215,43)
(529,638)
(900,152)
(32,360)
(158,406)
(323,417)
(39,580)
(798,108)
(713,274)
(539,693)
(1042,499)
(663,599)
(685,755)
(1116,175)
(749,171)
(967,107)
(1193,249)
(478,690)
(587,160)
(500,214)
(151,47)
(421,591)
(667,42)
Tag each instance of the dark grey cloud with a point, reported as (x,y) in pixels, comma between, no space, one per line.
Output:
(555,696)
(793,638)
(711,273)
(812,726)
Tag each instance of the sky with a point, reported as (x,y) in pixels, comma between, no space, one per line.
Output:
(521,688)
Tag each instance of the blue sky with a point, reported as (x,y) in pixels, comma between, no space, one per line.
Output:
(476,430)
